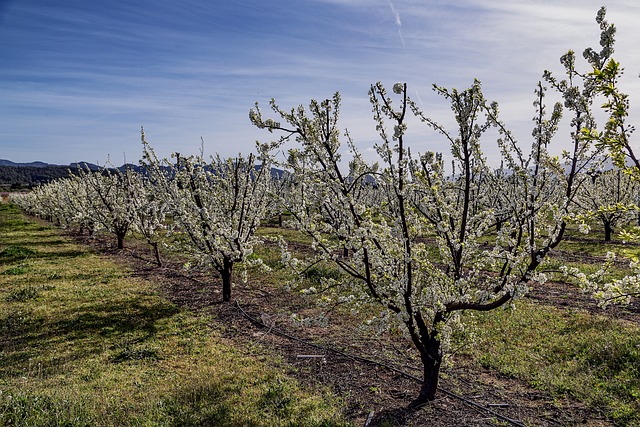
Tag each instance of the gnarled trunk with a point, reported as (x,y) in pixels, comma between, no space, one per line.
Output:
(431,363)
(121,232)
(121,240)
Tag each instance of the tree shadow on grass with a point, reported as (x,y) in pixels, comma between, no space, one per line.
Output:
(78,333)
(14,253)
(25,252)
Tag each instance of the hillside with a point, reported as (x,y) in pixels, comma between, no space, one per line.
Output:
(25,175)
(15,177)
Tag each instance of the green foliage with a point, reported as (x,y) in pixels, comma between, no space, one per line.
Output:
(24,294)
(29,409)
(17,270)
(277,398)
(316,273)
(130,353)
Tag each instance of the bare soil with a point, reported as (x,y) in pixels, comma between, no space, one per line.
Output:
(341,355)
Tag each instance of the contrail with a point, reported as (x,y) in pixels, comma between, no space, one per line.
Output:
(398,21)
(401,39)
(419,99)
(395,13)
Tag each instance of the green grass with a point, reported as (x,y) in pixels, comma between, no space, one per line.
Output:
(290,235)
(589,358)
(85,344)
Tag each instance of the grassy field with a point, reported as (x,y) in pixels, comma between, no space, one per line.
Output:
(85,343)
(82,343)
(567,351)
(572,354)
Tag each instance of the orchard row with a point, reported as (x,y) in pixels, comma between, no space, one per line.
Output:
(377,222)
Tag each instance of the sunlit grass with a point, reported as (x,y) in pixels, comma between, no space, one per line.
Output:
(84,343)
(567,353)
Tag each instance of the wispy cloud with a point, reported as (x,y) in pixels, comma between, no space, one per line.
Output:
(83,76)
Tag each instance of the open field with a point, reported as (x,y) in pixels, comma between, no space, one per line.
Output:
(93,336)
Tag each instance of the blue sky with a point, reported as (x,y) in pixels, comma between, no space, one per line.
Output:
(78,78)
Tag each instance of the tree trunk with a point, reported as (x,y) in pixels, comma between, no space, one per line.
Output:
(431,374)
(608,231)
(156,252)
(226,279)
(120,240)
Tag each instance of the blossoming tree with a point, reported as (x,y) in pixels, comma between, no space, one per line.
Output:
(215,206)
(610,197)
(148,211)
(480,265)
(108,199)
(603,79)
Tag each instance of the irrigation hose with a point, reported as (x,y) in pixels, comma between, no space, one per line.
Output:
(373,362)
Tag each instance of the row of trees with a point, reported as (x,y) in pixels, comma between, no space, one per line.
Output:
(493,227)
(206,210)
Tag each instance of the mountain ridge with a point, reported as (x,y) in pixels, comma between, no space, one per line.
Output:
(39,164)
(15,175)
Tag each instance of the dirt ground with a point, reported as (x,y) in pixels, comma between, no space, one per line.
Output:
(378,381)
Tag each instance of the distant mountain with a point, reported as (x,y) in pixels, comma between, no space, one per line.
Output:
(21,175)
(4,162)
(24,175)
(84,165)
(16,177)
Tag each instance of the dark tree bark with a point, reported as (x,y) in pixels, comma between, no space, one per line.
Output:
(227,270)
(431,362)
(120,237)
(608,231)
(156,253)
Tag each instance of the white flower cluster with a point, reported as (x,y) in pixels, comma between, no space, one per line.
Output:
(378,223)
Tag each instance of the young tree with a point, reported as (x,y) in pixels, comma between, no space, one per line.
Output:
(215,206)
(609,196)
(604,79)
(148,210)
(76,205)
(479,267)
(108,200)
